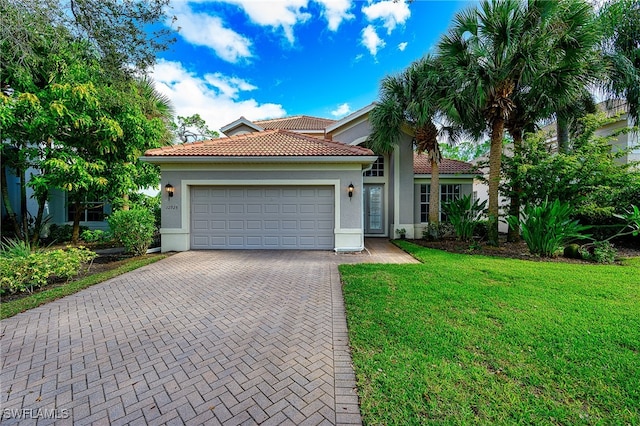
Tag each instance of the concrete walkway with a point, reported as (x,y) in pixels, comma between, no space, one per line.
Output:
(214,337)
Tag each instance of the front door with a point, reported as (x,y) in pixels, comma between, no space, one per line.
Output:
(374,209)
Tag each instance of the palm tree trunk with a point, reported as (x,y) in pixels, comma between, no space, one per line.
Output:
(495,159)
(434,196)
(562,129)
(516,190)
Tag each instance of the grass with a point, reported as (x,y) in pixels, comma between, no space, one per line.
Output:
(13,307)
(473,339)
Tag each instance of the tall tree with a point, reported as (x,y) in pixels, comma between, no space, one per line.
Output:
(412,102)
(620,21)
(494,51)
(72,68)
(569,35)
(125,35)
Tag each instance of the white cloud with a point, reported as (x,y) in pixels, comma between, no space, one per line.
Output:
(228,86)
(371,41)
(392,13)
(283,14)
(402,46)
(209,31)
(336,11)
(341,111)
(214,96)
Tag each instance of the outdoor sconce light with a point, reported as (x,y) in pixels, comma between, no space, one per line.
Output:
(351,188)
(169,188)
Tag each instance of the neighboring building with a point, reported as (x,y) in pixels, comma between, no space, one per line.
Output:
(297,182)
(57,211)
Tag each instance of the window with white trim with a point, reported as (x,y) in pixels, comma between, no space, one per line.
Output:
(448,192)
(377,169)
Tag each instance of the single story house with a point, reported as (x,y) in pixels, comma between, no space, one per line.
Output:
(296,183)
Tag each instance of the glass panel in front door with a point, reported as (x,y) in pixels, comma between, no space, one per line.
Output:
(374,210)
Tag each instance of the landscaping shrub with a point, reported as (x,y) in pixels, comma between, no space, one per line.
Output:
(481,230)
(464,215)
(24,270)
(572,251)
(548,227)
(134,229)
(436,232)
(62,233)
(600,252)
(97,236)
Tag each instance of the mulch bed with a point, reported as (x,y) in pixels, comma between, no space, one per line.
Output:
(517,250)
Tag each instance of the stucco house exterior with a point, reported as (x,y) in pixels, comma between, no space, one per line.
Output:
(295,183)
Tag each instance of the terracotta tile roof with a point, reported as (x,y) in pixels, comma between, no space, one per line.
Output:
(298,122)
(270,143)
(422,166)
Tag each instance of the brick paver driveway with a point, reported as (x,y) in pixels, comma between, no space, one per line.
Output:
(199,338)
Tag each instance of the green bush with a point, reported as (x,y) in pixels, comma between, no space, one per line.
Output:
(134,229)
(548,227)
(464,215)
(572,251)
(26,271)
(435,232)
(97,236)
(600,252)
(15,248)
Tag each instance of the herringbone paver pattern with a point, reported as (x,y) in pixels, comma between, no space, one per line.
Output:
(226,337)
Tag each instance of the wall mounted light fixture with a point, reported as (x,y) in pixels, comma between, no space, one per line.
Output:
(169,188)
(351,188)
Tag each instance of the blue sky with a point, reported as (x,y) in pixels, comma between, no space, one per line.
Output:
(273,58)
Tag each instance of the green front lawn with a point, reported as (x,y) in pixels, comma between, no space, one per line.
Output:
(471,339)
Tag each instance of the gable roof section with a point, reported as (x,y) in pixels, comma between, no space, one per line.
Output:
(298,122)
(269,143)
(422,166)
(356,115)
(239,122)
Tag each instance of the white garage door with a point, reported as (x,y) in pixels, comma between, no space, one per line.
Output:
(274,217)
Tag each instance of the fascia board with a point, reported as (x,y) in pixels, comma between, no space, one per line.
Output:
(357,159)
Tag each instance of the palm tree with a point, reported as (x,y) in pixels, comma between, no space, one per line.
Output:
(570,36)
(411,102)
(620,21)
(495,51)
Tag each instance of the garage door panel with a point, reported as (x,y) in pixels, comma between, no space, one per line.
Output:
(325,208)
(271,208)
(262,217)
(254,208)
(289,208)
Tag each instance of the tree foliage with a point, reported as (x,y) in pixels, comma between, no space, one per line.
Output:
(504,55)
(620,20)
(193,128)
(412,102)
(590,178)
(79,117)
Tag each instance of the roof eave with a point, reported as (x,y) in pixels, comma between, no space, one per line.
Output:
(450,175)
(175,159)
